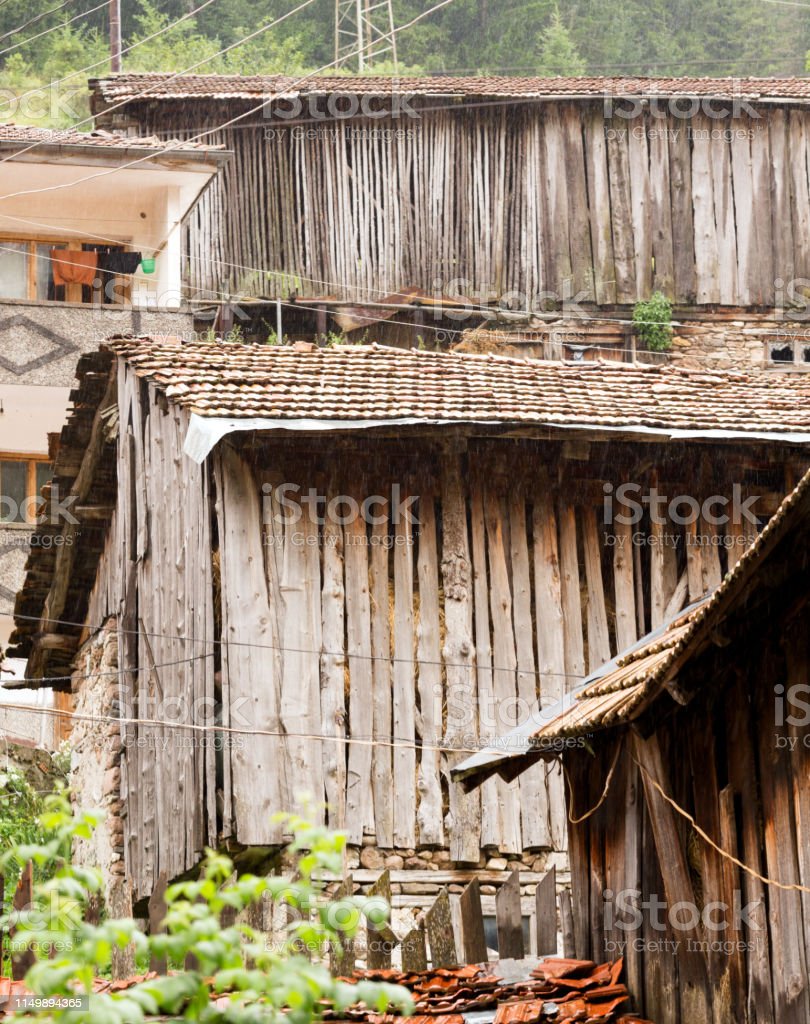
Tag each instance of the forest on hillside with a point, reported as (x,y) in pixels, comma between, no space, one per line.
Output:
(43,41)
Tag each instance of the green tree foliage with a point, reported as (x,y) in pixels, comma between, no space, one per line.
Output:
(558,55)
(620,38)
(260,983)
(652,320)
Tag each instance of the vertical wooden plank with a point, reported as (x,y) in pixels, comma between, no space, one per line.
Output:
(414,950)
(621,210)
(799,191)
(533,795)
(258,769)
(695,994)
(550,641)
(707,253)
(747,254)
(579,235)
(490,800)
(458,652)
(333,671)
(429,815)
(707,812)
(505,659)
(382,781)
(710,557)
(788,959)
(623,586)
(640,199)
(777,184)
(359,806)
(341,960)
(731,888)
(658,597)
(380,939)
(598,637)
(724,215)
(571,599)
(157,915)
(661,206)
(404,688)
(683,227)
(301,640)
(599,208)
(567,925)
(439,928)
(472,925)
(558,267)
(577,788)
(509,918)
(742,773)
(545,906)
(694,562)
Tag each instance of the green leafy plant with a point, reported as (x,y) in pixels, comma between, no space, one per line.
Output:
(652,321)
(255,980)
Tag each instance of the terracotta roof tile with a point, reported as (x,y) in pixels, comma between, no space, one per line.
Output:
(24,133)
(386,384)
(150,85)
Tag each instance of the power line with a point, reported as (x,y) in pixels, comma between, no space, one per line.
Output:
(552,317)
(105,60)
(281,648)
(33,21)
(54,28)
(217,128)
(158,723)
(171,78)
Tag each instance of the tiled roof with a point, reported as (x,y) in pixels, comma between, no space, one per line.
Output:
(24,133)
(370,382)
(149,85)
(558,990)
(622,689)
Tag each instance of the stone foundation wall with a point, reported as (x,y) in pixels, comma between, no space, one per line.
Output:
(95,775)
(724,344)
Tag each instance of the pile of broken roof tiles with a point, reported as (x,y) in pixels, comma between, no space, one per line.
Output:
(557,990)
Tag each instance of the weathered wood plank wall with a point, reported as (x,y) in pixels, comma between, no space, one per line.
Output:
(416,640)
(442,632)
(732,762)
(550,197)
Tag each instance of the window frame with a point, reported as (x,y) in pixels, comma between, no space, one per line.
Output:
(73,292)
(795,344)
(33,460)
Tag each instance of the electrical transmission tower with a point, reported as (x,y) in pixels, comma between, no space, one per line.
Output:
(364,32)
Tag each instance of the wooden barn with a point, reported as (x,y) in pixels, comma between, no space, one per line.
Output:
(528,189)
(688,768)
(335,570)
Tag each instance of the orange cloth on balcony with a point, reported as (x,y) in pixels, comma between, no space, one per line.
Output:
(74,266)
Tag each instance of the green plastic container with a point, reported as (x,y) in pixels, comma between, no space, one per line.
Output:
(148,265)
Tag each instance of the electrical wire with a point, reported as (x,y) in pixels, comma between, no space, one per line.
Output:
(34,20)
(221,127)
(552,316)
(171,78)
(54,28)
(99,63)
(283,649)
(194,727)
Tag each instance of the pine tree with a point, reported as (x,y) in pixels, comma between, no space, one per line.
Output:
(558,55)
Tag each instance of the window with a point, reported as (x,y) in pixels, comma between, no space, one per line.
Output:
(789,352)
(26,272)
(21,480)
